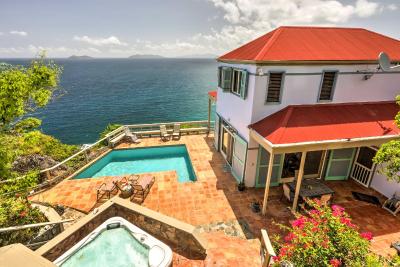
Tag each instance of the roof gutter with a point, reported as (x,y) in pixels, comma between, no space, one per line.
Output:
(346,140)
(298,62)
(269,146)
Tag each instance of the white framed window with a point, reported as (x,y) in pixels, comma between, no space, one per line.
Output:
(237,76)
(233,80)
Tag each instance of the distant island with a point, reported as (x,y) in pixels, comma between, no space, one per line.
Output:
(139,56)
(200,56)
(80,57)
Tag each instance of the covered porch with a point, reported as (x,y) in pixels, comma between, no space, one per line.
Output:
(324,142)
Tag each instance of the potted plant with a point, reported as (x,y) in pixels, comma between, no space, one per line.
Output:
(241,186)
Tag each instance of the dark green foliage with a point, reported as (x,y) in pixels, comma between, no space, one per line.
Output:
(388,155)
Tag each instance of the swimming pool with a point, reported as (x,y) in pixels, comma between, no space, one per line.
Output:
(117,242)
(142,160)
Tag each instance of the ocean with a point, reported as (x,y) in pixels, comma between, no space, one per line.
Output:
(97,92)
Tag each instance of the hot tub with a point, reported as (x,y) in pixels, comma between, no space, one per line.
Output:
(119,243)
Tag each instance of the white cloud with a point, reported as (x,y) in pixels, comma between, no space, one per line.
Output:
(364,8)
(1,33)
(392,7)
(248,19)
(244,21)
(62,50)
(20,33)
(110,41)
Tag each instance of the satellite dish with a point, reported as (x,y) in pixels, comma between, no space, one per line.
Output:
(384,61)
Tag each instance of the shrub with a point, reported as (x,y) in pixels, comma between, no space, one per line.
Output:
(325,236)
(109,128)
(27,125)
(18,211)
(35,142)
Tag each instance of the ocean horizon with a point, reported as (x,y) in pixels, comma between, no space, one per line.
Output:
(99,91)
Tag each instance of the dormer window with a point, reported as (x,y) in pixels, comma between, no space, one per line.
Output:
(327,85)
(274,90)
(233,80)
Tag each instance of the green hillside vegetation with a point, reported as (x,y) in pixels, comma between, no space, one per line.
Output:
(22,91)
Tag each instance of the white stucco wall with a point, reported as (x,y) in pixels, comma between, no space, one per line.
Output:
(235,110)
(382,185)
(303,87)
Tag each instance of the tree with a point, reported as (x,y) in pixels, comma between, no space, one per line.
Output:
(388,155)
(22,90)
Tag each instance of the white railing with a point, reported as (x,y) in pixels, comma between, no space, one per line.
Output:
(142,130)
(267,251)
(361,174)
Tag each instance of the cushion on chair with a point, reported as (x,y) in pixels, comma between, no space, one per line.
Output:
(145,180)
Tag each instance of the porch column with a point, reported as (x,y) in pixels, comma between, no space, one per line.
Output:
(268,182)
(299,179)
(209,114)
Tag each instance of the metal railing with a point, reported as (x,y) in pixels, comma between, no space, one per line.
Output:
(142,130)
(48,231)
(92,151)
(267,251)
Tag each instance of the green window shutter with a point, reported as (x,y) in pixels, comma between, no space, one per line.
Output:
(244,80)
(219,76)
(227,78)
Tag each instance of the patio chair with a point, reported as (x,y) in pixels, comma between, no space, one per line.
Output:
(109,187)
(392,204)
(177,131)
(165,136)
(131,136)
(141,188)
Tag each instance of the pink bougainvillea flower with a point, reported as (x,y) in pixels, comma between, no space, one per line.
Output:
(289,237)
(367,235)
(276,258)
(315,212)
(347,221)
(299,223)
(337,210)
(335,262)
(337,207)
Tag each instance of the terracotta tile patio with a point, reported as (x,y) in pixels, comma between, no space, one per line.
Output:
(214,198)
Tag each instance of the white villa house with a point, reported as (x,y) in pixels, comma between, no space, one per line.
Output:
(307,100)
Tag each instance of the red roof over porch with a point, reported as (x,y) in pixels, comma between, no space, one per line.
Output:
(326,122)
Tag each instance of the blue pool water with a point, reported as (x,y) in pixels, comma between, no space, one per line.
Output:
(143,160)
(116,247)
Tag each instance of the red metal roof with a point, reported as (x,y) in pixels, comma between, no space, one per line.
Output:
(213,94)
(317,44)
(325,122)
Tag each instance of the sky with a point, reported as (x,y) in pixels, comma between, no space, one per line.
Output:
(171,28)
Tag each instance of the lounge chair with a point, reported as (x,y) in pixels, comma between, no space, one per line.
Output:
(177,131)
(392,204)
(131,136)
(109,187)
(141,188)
(165,136)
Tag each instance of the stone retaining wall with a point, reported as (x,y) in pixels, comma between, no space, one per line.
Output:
(177,234)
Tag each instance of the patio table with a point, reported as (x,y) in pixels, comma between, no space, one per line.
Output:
(311,188)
